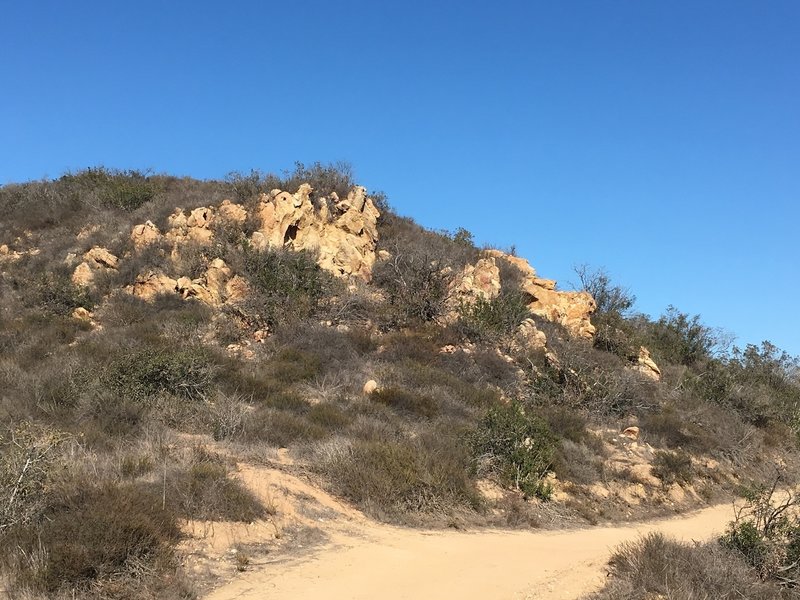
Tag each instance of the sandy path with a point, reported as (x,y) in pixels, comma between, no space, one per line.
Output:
(392,563)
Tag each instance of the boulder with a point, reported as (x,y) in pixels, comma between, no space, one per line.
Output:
(370,387)
(151,284)
(95,260)
(144,235)
(646,365)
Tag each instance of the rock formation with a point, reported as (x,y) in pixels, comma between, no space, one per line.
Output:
(96,260)
(482,280)
(570,309)
(646,365)
(342,233)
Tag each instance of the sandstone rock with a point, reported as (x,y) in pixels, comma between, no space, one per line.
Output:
(631,433)
(646,365)
(95,260)
(82,314)
(102,258)
(344,237)
(480,281)
(530,337)
(83,275)
(144,234)
(4,249)
(233,213)
(149,285)
(570,309)
(370,386)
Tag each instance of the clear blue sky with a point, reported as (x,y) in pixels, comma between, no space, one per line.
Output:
(658,139)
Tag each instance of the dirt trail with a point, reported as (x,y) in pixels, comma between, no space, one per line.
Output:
(393,563)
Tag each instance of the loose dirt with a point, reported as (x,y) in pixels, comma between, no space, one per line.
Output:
(371,560)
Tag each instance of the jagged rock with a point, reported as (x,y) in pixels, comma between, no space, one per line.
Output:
(95,260)
(646,365)
(570,309)
(345,243)
(217,285)
(102,258)
(631,433)
(233,213)
(144,234)
(480,281)
(149,285)
(531,337)
(82,314)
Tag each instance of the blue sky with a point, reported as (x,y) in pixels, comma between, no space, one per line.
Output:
(658,139)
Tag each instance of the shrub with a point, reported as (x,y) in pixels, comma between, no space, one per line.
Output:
(205,491)
(682,339)
(142,373)
(289,285)
(657,567)
(417,287)
(766,533)
(488,320)
(391,478)
(125,190)
(91,534)
(672,467)
(519,446)
(55,293)
(279,428)
(407,402)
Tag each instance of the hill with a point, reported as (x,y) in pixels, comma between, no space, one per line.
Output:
(159,336)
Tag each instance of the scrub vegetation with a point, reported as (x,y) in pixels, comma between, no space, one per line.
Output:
(97,475)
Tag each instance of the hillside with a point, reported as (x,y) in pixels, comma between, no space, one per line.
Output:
(196,374)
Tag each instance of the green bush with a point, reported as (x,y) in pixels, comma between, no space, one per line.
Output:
(417,287)
(142,373)
(55,293)
(125,190)
(673,467)
(488,320)
(519,446)
(288,286)
(205,491)
(657,567)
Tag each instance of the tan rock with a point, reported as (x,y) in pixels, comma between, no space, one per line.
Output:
(233,213)
(4,249)
(570,309)
(646,365)
(480,281)
(95,261)
(102,258)
(530,337)
(145,234)
(149,285)
(82,314)
(83,275)
(370,386)
(631,433)
(344,238)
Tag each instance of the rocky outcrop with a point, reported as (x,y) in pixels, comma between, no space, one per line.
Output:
(480,281)
(531,337)
(151,284)
(217,286)
(569,309)
(97,260)
(343,233)
(646,365)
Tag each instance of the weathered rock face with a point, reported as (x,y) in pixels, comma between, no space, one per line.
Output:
(480,281)
(95,261)
(570,309)
(646,365)
(531,337)
(343,233)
